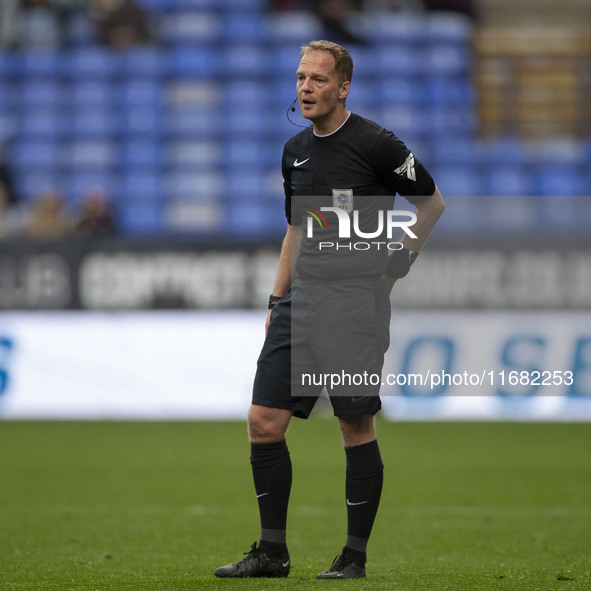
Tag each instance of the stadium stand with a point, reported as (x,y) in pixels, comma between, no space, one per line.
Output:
(200,115)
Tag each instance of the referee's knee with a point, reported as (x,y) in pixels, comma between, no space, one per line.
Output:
(267,425)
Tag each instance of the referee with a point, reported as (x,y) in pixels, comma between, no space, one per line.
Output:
(330,310)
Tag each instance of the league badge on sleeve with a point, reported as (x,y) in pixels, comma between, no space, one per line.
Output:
(343,199)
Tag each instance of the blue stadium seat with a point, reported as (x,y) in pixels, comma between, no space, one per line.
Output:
(141,153)
(257,6)
(243,119)
(42,94)
(8,126)
(400,90)
(80,30)
(363,97)
(244,27)
(32,182)
(142,62)
(293,28)
(565,180)
(247,60)
(195,62)
(506,150)
(241,92)
(450,119)
(283,93)
(42,125)
(138,218)
(507,179)
(10,98)
(43,64)
(93,63)
(141,121)
(457,150)
(408,120)
(447,60)
(459,181)
(188,27)
(10,65)
(193,122)
(366,65)
(183,5)
(559,151)
(244,185)
(142,92)
(161,6)
(194,184)
(395,27)
(195,153)
(91,94)
(94,123)
(455,91)
(447,27)
(141,186)
(89,154)
(249,220)
(397,59)
(244,152)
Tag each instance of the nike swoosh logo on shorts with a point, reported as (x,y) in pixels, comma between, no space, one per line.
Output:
(296,163)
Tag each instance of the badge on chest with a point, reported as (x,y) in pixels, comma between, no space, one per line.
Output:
(343,199)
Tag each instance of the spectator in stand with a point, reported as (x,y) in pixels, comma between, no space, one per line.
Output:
(96,217)
(9,10)
(463,6)
(8,201)
(336,16)
(121,23)
(48,219)
(39,24)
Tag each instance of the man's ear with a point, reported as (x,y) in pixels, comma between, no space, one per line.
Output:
(345,87)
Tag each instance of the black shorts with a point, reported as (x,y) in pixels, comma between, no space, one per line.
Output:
(325,335)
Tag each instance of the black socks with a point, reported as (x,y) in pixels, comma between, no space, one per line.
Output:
(363,486)
(271,470)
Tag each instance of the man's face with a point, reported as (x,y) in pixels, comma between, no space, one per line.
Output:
(318,86)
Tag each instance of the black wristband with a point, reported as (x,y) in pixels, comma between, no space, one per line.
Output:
(273,300)
(399,262)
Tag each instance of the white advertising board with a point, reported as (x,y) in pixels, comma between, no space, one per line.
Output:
(200,365)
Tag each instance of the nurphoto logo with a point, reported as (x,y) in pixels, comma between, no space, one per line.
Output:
(349,225)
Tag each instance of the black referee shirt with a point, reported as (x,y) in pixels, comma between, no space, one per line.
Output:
(361,162)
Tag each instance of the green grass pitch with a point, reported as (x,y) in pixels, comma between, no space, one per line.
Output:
(149,506)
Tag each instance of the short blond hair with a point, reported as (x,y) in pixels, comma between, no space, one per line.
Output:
(343,62)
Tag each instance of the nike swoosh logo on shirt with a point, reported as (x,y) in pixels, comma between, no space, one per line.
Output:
(296,163)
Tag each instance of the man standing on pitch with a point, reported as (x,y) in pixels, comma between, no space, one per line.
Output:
(350,162)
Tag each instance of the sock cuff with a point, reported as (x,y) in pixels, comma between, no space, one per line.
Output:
(263,454)
(364,461)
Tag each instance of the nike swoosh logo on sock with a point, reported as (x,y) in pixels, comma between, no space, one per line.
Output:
(262,495)
(351,504)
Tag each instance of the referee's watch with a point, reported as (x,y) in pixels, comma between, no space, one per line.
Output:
(273,299)
(400,261)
